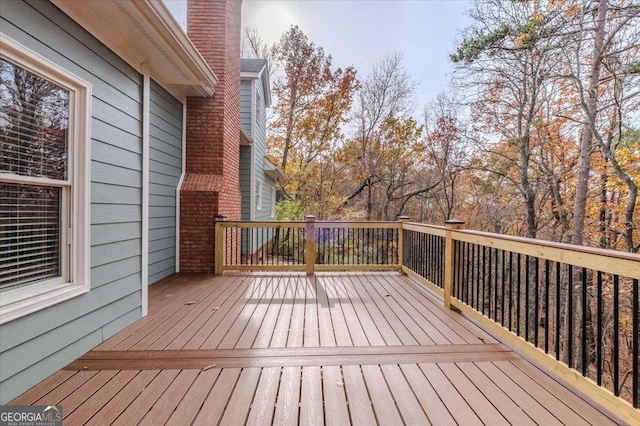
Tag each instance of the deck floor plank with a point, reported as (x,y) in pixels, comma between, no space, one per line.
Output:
(287,405)
(264,401)
(335,400)
(237,410)
(64,389)
(325,324)
(244,318)
(42,389)
(225,310)
(507,407)
(188,408)
(265,332)
(356,330)
(399,328)
(252,328)
(281,329)
(286,348)
(360,409)
(410,322)
(564,412)
(383,402)
(95,402)
(311,411)
(377,317)
(213,406)
(170,398)
(243,309)
(140,406)
(576,403)
(339,323)
(311,320)
(458,407)
(121,401)
(176,328)
(295,339)
(405,398)
(531,406)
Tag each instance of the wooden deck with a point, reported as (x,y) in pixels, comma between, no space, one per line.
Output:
(364,349)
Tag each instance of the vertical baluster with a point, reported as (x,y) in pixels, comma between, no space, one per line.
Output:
(526,298)
(536,326)
(510,291)
(546,305)
(557,305)
(583,354)
(635,355)
(489,284)
(616,335)
(478,277)
(468,278)
(484,277)
(569,341)
(503,289)
(518,296)
(599,341)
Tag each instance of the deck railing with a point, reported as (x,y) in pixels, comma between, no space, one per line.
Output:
(285,246)
(572,309)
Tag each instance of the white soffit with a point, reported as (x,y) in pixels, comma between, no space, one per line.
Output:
(145,31)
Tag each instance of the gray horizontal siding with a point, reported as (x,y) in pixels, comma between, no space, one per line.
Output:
(245,181)
(165,167)
(245,105)
(35,346)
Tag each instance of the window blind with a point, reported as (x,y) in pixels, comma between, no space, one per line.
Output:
(29,233)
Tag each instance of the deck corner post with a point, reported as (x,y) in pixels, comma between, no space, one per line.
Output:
(218,247)
(310,243)
(402,219)
(450,263)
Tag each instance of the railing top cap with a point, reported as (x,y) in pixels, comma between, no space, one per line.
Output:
(454,222)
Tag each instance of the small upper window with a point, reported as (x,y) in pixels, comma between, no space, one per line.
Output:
(258,195)
(44,141)
(273,202)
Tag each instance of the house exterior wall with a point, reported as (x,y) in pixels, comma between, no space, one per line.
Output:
(211,185)
(260,145)
(165,168)
(245,105)
(34,346)
(245,181)
(259,127)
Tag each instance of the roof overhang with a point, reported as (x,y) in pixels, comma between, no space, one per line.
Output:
(245,138)
(273,171)
(145,31)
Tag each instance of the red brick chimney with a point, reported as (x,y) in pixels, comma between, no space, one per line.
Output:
(211,184)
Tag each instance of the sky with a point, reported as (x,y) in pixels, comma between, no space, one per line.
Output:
(361,32)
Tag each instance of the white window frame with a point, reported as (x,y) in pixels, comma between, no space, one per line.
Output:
(259,195)
(75,204)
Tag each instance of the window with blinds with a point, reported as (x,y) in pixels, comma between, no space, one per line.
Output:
(34,185)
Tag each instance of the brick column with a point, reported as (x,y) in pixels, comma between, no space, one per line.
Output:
(211,184)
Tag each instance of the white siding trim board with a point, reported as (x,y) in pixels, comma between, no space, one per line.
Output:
(146,95)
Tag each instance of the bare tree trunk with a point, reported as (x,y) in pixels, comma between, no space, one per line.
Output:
(591,110)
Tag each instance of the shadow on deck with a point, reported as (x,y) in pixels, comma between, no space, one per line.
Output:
(334,348)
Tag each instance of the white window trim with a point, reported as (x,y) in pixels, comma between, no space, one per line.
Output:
(259,195)
(273,202)
(75,261)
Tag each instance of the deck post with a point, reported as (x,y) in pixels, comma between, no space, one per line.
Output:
(450,263)
(219,249)
(310,244)
(402,218)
